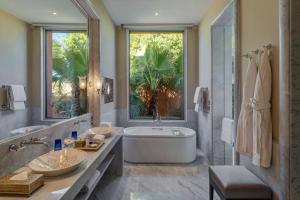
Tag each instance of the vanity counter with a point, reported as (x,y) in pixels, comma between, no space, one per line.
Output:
(67,186)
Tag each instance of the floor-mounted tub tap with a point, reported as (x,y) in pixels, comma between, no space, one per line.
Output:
(157,120)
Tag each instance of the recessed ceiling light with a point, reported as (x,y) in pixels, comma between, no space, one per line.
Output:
(54,13)
(156,13)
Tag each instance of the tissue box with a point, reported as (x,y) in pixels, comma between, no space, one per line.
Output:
(26,187)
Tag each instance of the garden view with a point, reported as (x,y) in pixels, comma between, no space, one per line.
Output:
(156,75)
(69,61)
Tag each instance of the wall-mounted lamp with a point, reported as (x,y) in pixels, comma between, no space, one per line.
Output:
(103,86)
(82,82)
(98,86)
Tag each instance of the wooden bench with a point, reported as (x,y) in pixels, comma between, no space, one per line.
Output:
(236,182)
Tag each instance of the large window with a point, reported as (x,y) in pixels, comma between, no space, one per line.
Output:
(156,75)
(66,60)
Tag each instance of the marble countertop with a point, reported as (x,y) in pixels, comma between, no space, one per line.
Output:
(67,186)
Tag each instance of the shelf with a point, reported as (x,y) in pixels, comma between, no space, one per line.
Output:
(92,183)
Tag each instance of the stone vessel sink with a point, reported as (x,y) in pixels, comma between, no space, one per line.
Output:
(57,163)
(27,129)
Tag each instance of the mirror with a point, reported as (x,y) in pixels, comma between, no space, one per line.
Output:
(107,90)
(43,54)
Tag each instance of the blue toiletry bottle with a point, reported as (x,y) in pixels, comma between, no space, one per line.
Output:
(74,135)
(57,145)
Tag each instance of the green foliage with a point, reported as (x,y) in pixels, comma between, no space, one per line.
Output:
(156,63)
(69,60)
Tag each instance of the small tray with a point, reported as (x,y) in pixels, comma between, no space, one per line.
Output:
(89,148)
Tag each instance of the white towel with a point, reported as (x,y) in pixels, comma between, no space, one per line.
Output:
(227,130)
(17,93)
(90,184)
(196,95)
(98,138)
(106,124)
(18,105)
(16,97)
(197,107)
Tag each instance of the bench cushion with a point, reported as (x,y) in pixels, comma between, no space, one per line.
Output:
(237,182)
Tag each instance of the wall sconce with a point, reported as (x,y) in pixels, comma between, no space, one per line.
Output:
(103,86)
(98,86)
(82,82)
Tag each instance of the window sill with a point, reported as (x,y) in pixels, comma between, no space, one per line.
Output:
(52,120)
(152,121)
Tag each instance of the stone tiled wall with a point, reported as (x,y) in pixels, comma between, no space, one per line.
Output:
(10,120)
(13,65)
(11,161)
(258,30)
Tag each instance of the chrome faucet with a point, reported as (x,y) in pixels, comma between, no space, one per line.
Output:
(80,121)
(15,148)
(34,141)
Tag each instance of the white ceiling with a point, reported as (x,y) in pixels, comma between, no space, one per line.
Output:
(143,11)
(41,11)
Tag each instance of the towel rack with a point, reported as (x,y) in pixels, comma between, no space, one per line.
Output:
(268,47)
(5,106)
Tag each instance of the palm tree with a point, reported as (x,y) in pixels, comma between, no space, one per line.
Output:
(153,69)
(70,60)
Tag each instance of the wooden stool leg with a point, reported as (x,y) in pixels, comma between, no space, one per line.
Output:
(211,192)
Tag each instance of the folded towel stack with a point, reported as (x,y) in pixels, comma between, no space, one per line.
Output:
(98,139)
(106,124)
(92,136)
(16,97)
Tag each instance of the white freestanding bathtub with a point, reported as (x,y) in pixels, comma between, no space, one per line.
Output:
(159,145)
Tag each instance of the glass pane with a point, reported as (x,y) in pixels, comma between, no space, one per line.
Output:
(156,75)
(66,62)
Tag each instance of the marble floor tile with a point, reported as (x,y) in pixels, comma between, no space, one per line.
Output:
(156,182)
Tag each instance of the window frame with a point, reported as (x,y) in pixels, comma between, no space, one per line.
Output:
(184,34)
(63,29)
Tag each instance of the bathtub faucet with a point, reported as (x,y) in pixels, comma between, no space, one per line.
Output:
(157,120)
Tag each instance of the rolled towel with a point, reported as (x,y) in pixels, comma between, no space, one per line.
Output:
(90,134)
(98,139)
(106,124)
(91,183)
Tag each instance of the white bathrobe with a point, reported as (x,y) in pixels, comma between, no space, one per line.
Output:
(244,144)
(262,122)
